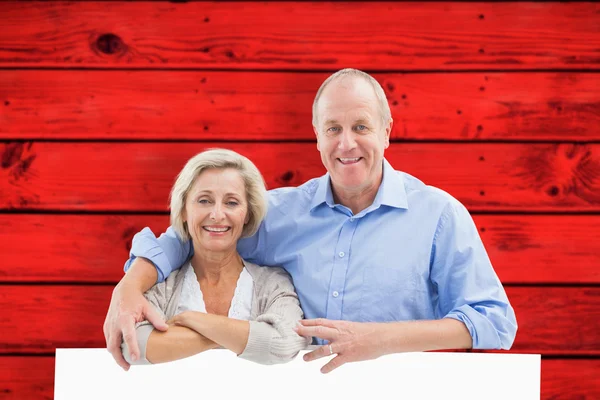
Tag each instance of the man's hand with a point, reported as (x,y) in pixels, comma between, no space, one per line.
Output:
(350,341)
(128,306)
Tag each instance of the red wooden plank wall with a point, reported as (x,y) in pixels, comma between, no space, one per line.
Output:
(101,104)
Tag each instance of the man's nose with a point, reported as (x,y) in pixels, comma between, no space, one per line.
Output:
(347,141)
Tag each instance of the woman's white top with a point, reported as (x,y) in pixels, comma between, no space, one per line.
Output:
(192,299)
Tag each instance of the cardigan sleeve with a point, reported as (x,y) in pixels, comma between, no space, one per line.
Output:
(157,298)
(272,339)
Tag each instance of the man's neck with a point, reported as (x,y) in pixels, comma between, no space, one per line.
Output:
(357,199)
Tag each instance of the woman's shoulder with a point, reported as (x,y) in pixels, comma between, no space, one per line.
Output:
(267,276)
(176,276)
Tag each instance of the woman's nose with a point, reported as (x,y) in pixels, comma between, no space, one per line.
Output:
(216,213)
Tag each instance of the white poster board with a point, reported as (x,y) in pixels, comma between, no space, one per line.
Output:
(219,374)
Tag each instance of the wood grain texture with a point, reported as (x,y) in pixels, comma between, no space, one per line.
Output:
(33,378)
(28,378)
(42,318)
(570,379)
(547,249)
(92,248)
(301,35)
(139,176)
(277,106)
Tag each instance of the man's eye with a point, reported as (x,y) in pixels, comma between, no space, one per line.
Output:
(333,129)
(361,128)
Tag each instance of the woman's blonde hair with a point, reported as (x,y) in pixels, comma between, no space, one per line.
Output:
(256,192)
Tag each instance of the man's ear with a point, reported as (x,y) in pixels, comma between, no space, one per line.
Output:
(388,132)
(317,136)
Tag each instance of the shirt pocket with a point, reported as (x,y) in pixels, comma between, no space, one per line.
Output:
(391,294)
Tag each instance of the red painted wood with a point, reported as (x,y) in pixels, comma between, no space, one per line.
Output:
(75,248)
(33,377)
(542,248)
(26,377)
(139,176)
(92,248)
(42,318)
(301,35)
(556,320)
(570,379)
(277,106)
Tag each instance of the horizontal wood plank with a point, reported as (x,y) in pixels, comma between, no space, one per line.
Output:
(277,106)
(92,248)
(139,176)
(33,378)
(27,377)
(570,379)
(42,318)
(301,35)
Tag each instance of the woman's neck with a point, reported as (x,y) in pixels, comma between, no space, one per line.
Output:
(215,267)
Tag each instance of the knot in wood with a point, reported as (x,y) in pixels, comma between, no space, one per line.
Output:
(287,176)
(553,191)
(110,44)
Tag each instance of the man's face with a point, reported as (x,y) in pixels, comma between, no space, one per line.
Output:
(351,136)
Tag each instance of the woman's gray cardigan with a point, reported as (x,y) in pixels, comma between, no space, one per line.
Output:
(275,311)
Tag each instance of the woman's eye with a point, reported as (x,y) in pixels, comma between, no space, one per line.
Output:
(203,201)
(232,203)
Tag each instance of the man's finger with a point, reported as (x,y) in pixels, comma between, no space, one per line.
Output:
(336,362)
(155,318)
(321,352)
(106,330)
(130,337)
(319,322)
(114,347)
(320,332)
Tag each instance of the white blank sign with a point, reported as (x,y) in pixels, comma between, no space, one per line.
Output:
(219,374)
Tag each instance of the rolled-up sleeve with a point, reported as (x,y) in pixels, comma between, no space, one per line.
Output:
(271,339)
(157,298)
(468,288)
(167,252)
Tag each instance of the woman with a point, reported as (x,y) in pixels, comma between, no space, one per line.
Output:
(217,299)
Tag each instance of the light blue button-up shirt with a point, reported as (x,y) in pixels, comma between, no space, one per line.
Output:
(414,254)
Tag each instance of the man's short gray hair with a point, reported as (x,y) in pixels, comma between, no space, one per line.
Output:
(384,107)
(256,192)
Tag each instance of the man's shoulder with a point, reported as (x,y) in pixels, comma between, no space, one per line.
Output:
(300,197)
(420,193)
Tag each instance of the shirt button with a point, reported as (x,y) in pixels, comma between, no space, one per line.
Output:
(335,293)
(352,219)
(342,254)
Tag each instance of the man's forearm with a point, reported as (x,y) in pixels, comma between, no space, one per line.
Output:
(141,275)
(176,343)
(442,334)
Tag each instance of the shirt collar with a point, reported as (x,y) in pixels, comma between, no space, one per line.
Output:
(391,191)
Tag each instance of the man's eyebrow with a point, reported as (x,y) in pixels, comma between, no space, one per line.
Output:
(361,120)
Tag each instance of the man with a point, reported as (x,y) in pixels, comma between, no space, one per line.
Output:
(381,262)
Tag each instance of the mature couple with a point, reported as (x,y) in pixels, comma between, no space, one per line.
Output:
(380,262)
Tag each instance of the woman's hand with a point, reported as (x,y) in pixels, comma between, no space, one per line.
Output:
(189,319)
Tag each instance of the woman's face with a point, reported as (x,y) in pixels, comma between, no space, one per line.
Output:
(216,210)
